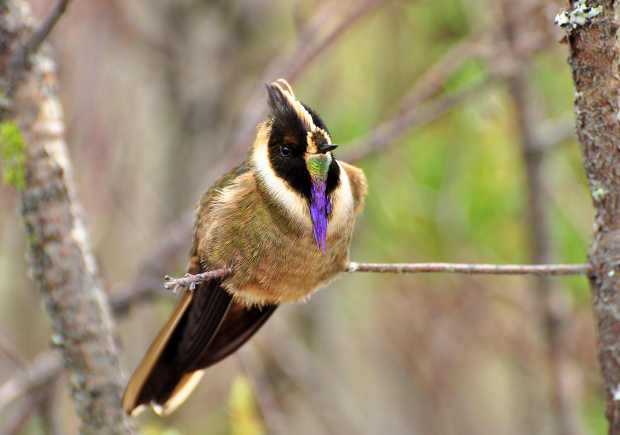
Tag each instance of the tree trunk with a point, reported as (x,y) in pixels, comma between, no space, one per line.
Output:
(594,59)
(61,261)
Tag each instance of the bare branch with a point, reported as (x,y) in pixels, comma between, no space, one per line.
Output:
(290,66)
(264,393)
(19,61)
(471,269)
(49,410)
(36,375)
(553,307)
(14,425)
(411,114)
(553,132)
(48,364)
(190,281)
(305,371)
(37,38)
(10,351)
(434,79)
(414,116)
(147,281)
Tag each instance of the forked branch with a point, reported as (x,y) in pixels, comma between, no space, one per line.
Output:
(20,59)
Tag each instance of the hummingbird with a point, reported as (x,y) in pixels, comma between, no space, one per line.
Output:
(281,222)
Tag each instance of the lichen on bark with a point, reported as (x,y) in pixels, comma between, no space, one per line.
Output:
(61,262)
(594,60)
(12,155)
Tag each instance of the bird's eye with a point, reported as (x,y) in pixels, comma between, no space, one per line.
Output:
(285,151)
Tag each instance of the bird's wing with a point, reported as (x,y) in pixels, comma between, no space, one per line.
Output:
(359,186)
(165,376)
(206,327)
(240,324)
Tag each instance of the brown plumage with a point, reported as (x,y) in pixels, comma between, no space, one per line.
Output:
(257,221)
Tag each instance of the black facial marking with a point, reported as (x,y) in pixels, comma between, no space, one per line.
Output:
(290,166)
(316,118)
(288,131)
(333,177)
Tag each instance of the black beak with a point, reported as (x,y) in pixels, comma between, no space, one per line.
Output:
(327,148)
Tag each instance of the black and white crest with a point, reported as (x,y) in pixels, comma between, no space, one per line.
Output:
(295,129)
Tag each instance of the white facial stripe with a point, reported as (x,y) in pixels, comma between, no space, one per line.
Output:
(312,143)
(325,135)
(299,108)
(294,203)
(342,207)
(226,197)
(285,85)
(290,200)
(304,115)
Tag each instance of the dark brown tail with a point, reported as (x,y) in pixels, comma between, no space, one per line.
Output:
(205,327)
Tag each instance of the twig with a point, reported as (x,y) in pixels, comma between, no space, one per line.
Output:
(553,132)
(10,351)
(266,401)
(414,116)
(190,281)
(49,410)
(292,65)
(411,114)
(36,375)
(318,382)
(48,364)
(14,425)
(46,27)
(472,269)
(19,61)
(553,306)
(147,281)
(435,77)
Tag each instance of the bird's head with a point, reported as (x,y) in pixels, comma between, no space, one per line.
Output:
(298,150)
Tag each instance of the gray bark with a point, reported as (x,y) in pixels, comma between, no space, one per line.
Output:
(61,261)
(594,59)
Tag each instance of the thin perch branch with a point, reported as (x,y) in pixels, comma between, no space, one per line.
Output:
(190,281)
(434,80)
(50,364)
(471,269)
(46,27)
(386,133)
(43,370)
(291,66)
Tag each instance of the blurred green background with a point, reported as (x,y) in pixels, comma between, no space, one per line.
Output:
(156,95)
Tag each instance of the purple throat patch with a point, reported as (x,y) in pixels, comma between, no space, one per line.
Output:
(320,208)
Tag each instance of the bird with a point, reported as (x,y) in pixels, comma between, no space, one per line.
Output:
(281,222)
